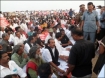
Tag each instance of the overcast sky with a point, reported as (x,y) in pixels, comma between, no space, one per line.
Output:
(43,5)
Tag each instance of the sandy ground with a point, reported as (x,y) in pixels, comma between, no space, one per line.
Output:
(94,62)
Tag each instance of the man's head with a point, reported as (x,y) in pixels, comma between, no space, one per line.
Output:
(51,43)
(51,31)
(76,33)
(58,36)
(62,32)
(5,36)
(7,30)
(17,34)
(82,7)
(35,35)
(45,70)
(4,58)
(31,39)
(18,49)
(90,6)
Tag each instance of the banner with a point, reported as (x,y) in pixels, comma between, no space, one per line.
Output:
(3,22)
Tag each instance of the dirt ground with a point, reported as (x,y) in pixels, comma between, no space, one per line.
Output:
(94,62)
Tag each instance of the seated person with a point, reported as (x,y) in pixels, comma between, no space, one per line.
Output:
(31,31)
(19,57)
(34,62)
(51,55)
(18,38)
(29,43)
(9,67)
(58,45)
(64,40)
(45,70)
(50,35)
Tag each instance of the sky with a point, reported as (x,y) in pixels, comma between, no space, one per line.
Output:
(8,6)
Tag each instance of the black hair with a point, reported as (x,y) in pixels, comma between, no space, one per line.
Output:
(61,29)
(93,6)
(10,76)
(1,53)
(0,12)
(49,40)
(44,70)
(30,38)
(90,3)
(77,31)
(7,30)
(17,28)
(34,34)
(57,35)
(71,27)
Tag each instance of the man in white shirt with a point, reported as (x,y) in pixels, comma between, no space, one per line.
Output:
(58,44)
(29,44)
(51,55)
(22,34)
(24,26)
(8,67)
(18,38)
(50,35)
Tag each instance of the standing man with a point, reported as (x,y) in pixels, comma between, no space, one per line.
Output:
(102,22)
(90,23)
(80,15)
(80,57)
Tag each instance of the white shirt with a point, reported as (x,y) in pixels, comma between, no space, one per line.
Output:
(26,48)
(18,40)
(15,25)
(46,56)
(68,33)
(47,38)
(24,37)
(11,38)
(59,47)
(13,69)
(1,34)
(102,73)
(24,27)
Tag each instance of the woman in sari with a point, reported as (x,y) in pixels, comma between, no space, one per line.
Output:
(34,62)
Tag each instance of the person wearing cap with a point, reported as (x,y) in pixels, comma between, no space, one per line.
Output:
(101,59)
(50,35)
(8,67)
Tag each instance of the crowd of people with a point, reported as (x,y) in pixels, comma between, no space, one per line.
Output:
(56,44)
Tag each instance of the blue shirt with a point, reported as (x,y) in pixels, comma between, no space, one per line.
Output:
(102,17)
(90,21)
